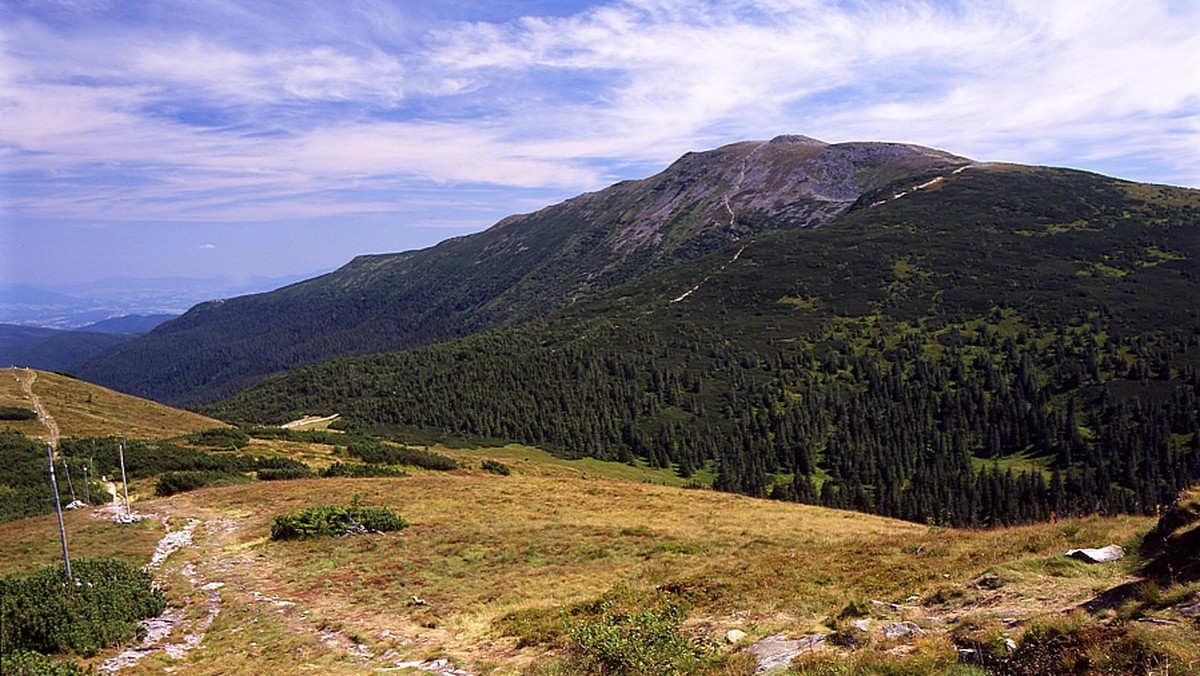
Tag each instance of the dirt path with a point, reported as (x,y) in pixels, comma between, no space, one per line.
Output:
(44,416)
(193,626)
(692,290)
(209,570)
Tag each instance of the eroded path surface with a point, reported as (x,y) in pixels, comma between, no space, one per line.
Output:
(219,588)
(47,420)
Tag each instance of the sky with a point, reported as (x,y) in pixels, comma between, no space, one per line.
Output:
(269,138)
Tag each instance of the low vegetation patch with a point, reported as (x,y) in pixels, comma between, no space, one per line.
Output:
(359,471)
(171,483)
(625,641)
(335,521)
(280,468)
(219,438)
(17,413)
(24,482)
(496,467)
(47,613)
(377,452)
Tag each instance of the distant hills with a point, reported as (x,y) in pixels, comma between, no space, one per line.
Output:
(520,269)
(69,307)
(50,349)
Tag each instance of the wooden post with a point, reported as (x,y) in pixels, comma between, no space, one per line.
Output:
(124,483)
(62,531)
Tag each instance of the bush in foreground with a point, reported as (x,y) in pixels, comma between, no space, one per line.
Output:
(636,642)
(28,663)
(46,613)
(335,521)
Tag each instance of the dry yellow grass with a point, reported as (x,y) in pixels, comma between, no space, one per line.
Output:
(492,557)
(82,409)
(30,544)
(482,547)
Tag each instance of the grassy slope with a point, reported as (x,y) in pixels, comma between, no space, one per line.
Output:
(484,547)
(85,410)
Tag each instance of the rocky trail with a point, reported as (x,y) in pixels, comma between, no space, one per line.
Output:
(47,420)
(206,570)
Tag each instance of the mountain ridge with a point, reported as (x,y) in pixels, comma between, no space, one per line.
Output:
(995,347)
(520,269)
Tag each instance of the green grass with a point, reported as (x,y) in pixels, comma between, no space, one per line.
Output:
(533,459)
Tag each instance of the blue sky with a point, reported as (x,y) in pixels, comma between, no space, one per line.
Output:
(253,137)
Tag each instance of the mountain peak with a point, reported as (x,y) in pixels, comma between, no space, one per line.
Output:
(522,268)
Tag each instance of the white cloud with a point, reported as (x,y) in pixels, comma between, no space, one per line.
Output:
(207,247)
(325,113)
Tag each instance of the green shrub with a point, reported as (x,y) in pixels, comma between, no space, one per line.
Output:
(285,473)
(46,613)
(149,458)
(496,467)
(226,438)
(17,413)
(635,642)
(171,483)
(379,452)
(29,663)
(278,468)
(334,521)
(357,471)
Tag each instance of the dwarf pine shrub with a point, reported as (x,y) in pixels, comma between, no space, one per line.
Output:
(47,613)
(335,521)
(635,642)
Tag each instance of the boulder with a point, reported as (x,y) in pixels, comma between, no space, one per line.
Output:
(900,630)
(735,636)
(1190,611)
(1101,555)
(777,652)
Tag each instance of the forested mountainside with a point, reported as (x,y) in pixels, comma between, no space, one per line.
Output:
(1003,344)
(520,269)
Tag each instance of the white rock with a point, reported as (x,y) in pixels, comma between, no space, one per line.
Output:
(735,636)
(902,629)
(1101,555)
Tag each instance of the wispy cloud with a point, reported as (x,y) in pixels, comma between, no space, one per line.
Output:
(239,111)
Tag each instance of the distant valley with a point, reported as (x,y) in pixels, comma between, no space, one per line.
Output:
(44,348)
(71,307)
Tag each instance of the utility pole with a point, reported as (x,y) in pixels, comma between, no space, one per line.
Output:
(62,531)
(70,484)
(124,483)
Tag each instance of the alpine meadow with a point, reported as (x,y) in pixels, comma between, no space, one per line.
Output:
(786,407)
